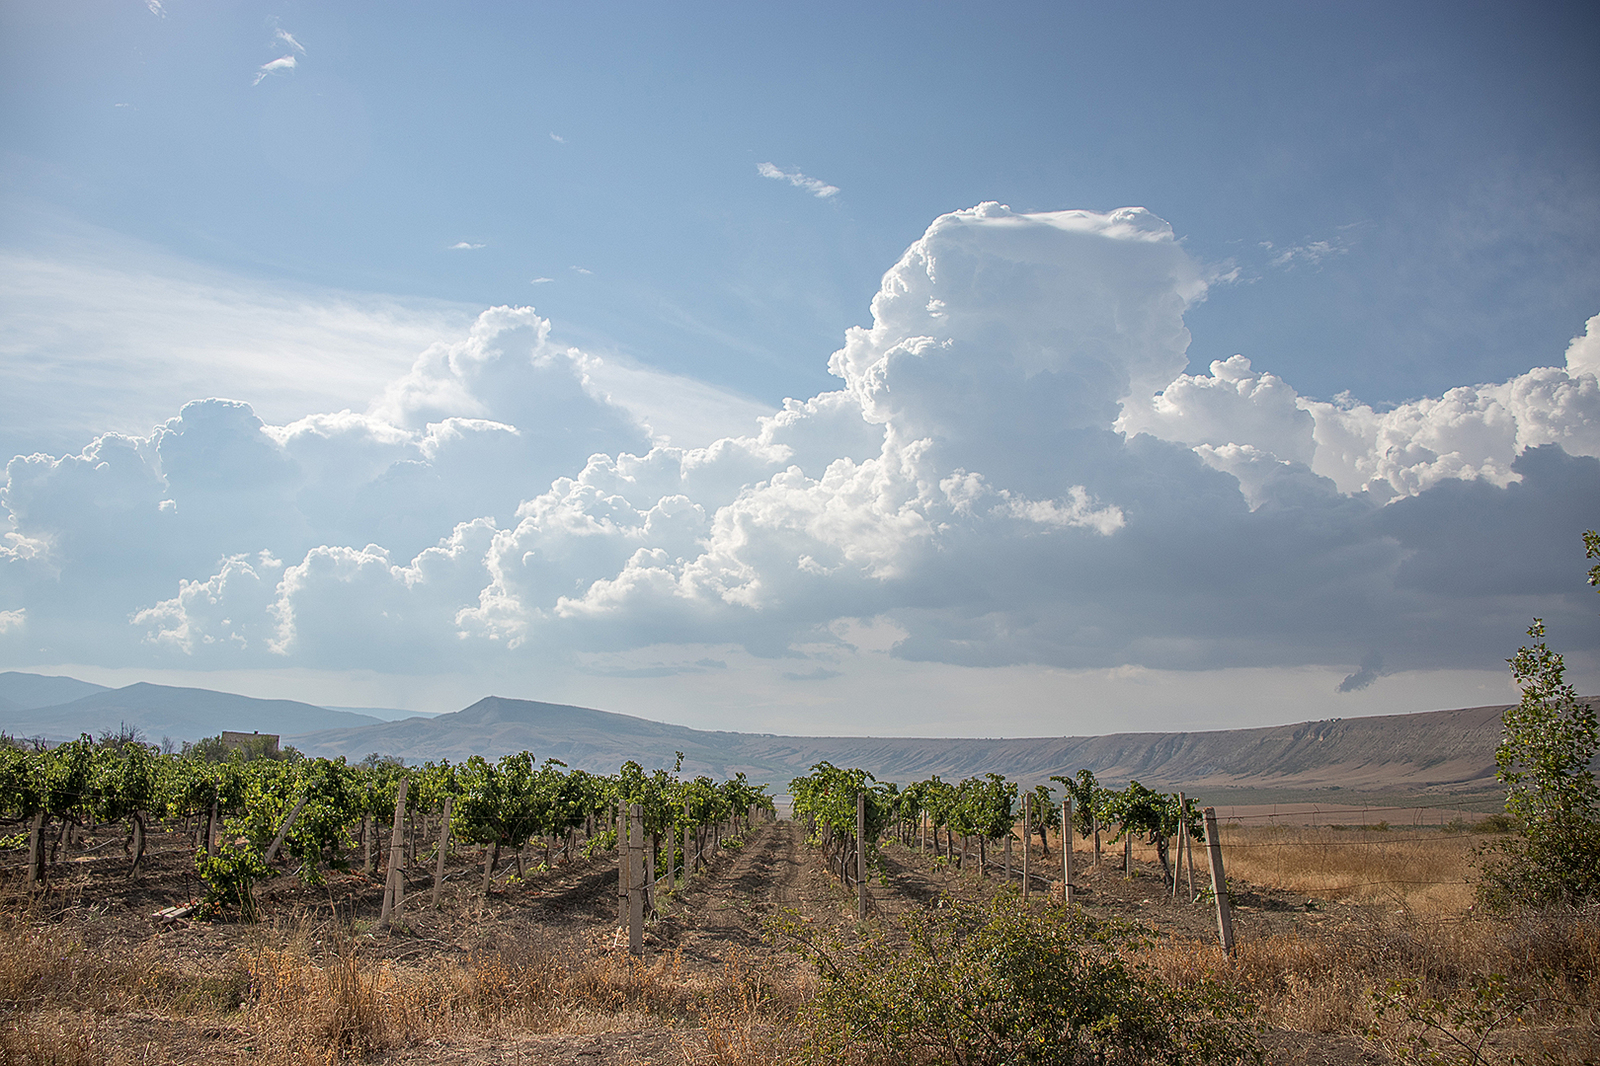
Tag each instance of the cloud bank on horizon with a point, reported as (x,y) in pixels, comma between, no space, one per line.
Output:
(1017,468)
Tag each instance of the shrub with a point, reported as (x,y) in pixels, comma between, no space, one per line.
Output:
(230,876)
(989,983)
(1545,759)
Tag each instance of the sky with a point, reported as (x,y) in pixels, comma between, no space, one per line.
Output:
(908,369)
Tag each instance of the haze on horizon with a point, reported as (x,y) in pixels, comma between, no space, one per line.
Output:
(898,372)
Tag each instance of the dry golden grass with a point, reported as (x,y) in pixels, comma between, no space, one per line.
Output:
(1330,980)
(1421,871)
(50,1039)
(1421,950)
(746,1017)
(309,1006)
(305,993)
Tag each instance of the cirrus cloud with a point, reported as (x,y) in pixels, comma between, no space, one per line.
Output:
(282,65)
(820,189)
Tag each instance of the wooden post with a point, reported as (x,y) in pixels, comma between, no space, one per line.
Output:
(491,855)
(861,856)
(1066,850)
(650,844)
(688,833)
(394,889)
(636,879)
(211,829)
(1127,854)
(283,830)
(36,867)
(1027,842)
(1177,860)
(366,843)
(1011,833)
(444,842)
(1094,820)
(1219,881)
(672,853)
(1190,852)
(624,865)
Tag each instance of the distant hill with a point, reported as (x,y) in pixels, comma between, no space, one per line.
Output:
(1451,750)
(165,711)
(23,692)
(494,726)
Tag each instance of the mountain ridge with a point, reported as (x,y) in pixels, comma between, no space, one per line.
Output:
(171,711)
(1442,750)
(1449,750)
(25,692)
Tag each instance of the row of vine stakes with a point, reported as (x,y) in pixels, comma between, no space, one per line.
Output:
(848,813)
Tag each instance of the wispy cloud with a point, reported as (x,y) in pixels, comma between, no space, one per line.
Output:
(155,8)
(581,270)
(288,38)
(540,281)
(281,65)
(465,246)
(820,189)
(558,138)
(1311,253)
(73,316)
(821,673)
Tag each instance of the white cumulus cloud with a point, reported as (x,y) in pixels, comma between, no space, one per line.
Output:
(1471,432)
(1017,468)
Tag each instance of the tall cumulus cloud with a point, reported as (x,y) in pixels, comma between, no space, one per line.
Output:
(1016,468)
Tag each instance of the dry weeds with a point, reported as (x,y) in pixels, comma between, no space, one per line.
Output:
(337,1005)
(1420,871)
(305,993)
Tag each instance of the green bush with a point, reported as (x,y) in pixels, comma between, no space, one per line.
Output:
(1545,759)
(990,983)
(229,877)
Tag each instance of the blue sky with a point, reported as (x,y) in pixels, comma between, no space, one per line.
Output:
(285,205)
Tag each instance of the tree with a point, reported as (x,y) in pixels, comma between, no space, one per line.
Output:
(1545,760)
